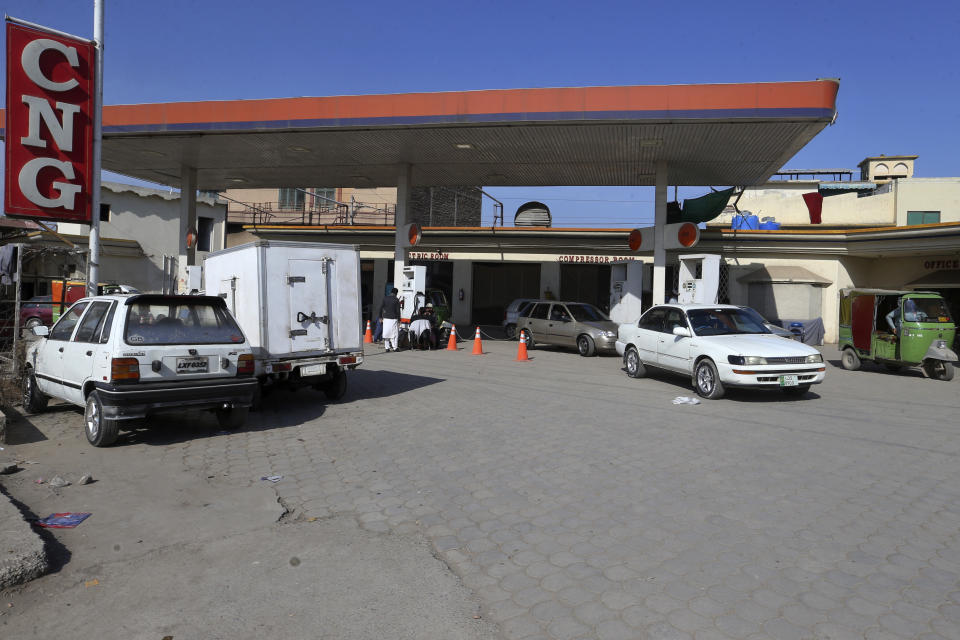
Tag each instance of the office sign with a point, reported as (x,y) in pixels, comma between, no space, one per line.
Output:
(49,125)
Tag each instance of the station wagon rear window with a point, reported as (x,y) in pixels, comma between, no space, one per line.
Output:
(179,322)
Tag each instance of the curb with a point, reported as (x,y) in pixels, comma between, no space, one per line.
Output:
(22,553)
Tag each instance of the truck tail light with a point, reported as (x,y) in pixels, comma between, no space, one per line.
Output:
(124,370)
(347,359)
(245,365)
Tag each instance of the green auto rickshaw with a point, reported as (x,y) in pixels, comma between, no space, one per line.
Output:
(897,329)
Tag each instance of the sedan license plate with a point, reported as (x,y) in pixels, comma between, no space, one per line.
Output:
(193,365)
(789,381)
(312,370)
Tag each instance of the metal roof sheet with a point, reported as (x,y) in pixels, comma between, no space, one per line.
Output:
(859,186)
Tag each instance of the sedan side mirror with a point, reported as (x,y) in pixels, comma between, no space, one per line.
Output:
(681,331)
(41,330)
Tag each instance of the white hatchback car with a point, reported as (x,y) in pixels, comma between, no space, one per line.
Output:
(718,346)
(124,357)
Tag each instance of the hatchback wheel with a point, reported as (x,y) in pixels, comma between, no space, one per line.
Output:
(101,432)
(510,331)
(34,400)
(707,380)
(631,360)
(586,347)
(527,338)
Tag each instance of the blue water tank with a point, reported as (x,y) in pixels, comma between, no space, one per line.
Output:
(746,222)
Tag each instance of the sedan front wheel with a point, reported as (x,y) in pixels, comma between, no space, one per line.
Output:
(707,380)
(635,367)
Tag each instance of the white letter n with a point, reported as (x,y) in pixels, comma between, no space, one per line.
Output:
(61,131)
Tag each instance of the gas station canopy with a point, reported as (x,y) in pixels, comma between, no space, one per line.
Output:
(719,134)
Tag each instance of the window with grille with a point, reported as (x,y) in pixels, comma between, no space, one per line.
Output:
(325,197)
(290,199)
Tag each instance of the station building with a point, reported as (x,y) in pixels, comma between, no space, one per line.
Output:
(884,228)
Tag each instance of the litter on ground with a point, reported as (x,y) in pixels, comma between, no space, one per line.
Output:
(685,400)
(272,478)
(62,520)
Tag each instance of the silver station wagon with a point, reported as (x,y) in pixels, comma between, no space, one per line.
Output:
(568,324)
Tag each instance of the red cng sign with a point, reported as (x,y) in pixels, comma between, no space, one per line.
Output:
(49,125)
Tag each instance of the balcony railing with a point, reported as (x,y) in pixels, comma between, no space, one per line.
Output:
(271,213)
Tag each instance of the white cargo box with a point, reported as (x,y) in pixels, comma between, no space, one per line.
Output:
(293,300)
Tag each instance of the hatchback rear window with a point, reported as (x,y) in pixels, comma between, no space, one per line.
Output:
(180,322)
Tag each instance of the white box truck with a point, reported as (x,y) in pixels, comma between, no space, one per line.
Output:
(298,304)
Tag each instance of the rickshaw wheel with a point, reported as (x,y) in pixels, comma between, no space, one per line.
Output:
(850,360)
(939,370)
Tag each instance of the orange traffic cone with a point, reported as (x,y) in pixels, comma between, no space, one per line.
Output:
(522,349)
(368,336)
(452,342)
(477,344)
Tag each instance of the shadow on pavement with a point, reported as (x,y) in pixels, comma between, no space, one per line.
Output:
(21,428)
(57,554)
(281,409)
(732,393)
(367,384)
(872,367)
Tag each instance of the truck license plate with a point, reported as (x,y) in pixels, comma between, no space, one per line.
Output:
(312,370)
(193,365)
(789,381)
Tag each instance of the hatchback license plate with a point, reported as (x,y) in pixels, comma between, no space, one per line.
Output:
(789,381)
(193,365)
(312,370)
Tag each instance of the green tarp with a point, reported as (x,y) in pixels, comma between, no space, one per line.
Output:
(697,210)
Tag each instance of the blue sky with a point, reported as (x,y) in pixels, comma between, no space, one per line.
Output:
(898,62)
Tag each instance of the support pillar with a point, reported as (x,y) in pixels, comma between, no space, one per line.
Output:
(400,252)
(660,222)
(188,221)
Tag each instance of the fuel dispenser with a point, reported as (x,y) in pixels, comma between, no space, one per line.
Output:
(699,279)
(629,279)
(413,283)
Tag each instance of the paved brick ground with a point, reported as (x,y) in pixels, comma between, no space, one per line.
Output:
(579,503)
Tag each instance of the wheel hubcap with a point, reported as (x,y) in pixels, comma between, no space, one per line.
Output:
(632,362)
(93,420)
(27,390)
(705,378)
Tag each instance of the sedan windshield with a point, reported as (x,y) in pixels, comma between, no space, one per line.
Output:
(586,313)
(722,322)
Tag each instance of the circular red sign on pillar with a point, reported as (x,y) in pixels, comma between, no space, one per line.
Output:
(413,234)
(635,239)
(688,234)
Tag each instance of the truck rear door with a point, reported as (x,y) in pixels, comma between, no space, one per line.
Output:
(310,322)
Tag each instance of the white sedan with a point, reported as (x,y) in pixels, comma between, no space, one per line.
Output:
(718,346)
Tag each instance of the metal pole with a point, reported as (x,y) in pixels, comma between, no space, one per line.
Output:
(94,256)
(15,355)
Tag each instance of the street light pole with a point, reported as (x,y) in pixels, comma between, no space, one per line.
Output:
(93,274)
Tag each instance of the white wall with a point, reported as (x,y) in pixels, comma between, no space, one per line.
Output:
(928,194)
(151,218)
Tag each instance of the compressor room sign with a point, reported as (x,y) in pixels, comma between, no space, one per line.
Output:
(49,125)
